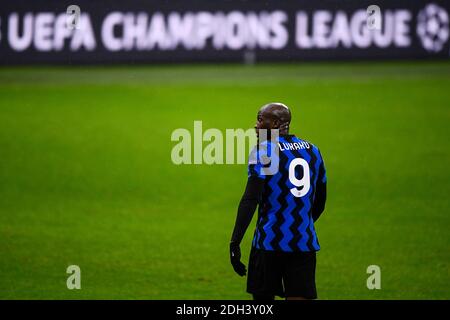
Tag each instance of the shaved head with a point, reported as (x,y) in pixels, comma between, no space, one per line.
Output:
(278,111)
(274,115)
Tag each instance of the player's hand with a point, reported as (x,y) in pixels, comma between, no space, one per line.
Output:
(235,258)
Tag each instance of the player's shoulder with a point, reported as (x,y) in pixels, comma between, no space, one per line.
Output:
(259,151)
(308,144)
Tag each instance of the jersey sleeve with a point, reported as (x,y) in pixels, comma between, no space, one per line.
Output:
(254,165)
(320,197)
(264,160)
(322,170)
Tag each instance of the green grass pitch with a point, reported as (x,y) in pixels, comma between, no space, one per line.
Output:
(86,177)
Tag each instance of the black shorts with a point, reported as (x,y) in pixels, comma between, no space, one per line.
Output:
(283,274)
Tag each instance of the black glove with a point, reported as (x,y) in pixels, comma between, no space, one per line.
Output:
(235,257)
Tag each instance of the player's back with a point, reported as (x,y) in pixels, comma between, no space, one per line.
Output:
(285,221)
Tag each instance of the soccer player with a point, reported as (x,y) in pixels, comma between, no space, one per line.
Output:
(283,254)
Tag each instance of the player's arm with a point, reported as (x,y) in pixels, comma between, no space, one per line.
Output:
(319,200)
(246,209)
(321,193)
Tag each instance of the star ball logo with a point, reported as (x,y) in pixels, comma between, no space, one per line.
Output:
(432,27)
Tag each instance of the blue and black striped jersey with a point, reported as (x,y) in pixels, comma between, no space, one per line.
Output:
(285,220)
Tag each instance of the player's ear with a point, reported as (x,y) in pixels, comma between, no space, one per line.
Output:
(276,124)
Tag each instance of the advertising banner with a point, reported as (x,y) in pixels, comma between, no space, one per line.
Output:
(135,31)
